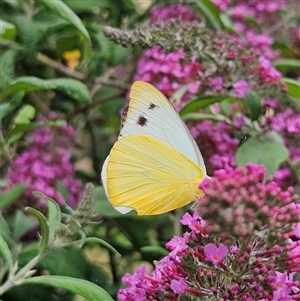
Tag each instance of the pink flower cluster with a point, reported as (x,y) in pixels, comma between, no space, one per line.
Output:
(171,71)
(246,245)
(265,13)
(175,11)
(44,163)
(216,142)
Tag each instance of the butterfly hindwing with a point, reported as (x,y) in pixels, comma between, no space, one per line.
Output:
(150,176)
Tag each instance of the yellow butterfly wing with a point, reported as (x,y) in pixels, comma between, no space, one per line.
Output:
(149,176)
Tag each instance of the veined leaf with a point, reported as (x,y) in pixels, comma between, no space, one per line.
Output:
(88,290)
(73,88)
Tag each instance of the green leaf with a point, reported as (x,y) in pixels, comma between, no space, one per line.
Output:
(7,30)
(44,227)
(5,252)
(154,251)
(267,150)
(286,64)
(211,13)
(254,104)
(88,290)
(11,195)
(227,23)
(73,88)
(204,116)
(10,105)
(18,130)
(22,224)
(54,213)
(199,103)
(66,257)
(293,87)
(25,115)
(102,243)
(61,9)
(22,123)
(88,6)
(7,66)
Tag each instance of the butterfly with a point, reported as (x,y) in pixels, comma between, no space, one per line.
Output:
(155,166)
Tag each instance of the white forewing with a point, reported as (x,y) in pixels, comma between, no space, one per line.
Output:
(151,114)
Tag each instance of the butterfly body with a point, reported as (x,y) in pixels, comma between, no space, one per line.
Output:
(155,166)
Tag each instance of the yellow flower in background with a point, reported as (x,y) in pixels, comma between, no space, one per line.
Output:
(71,58)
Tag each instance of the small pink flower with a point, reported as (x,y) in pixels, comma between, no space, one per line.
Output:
(178,286)
(217,83)
(241,88)
(194,222)
(215,254)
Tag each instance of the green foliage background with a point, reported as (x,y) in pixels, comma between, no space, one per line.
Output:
(36,78)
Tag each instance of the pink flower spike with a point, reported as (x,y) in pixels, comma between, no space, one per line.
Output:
(241,88)
(215,254)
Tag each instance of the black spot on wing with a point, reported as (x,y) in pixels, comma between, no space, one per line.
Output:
(152,106)
(142,120)
(124,115)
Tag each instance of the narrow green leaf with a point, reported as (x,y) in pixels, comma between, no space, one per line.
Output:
(286,64)
(227,23)
(7,30)
(203,116)
(158,251)
(11,195)
(10,105)
(267,150)
(102,243)
(44,227)
(61,9)
(54,213)
(199,103)
(293,87)
(73,88)
(254,104)
(211,13)
(5,252)
(88,290)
